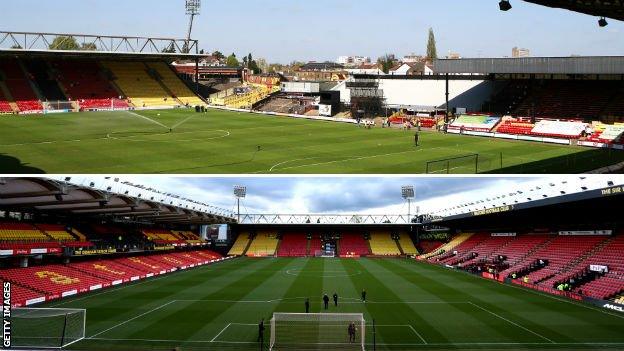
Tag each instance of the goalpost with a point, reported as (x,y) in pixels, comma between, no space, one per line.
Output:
(300,331)
(47,327)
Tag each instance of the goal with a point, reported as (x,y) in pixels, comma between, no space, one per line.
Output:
(314,331)
(47,327)
(466,164)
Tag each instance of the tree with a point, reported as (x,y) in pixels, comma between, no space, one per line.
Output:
(63,42)
(386,62)
(169,49)
(253,66)
(88,47)
(232,61)
(432,51)
(16,46)
(218,55)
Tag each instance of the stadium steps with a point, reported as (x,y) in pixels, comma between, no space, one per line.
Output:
(33,85)
(573,267)
(241,245)
(308,243)
(108,75)
(180,87)
(160,79)
(406,244)
(447,247)
(398,244)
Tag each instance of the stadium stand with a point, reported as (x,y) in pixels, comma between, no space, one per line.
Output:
(240,245)
(175,84)
(315,245)
(46,282)
(352,244)
(56,232)
(427,246)
(407,245)
(478,123)
(604,286)
(86,83)
(557,254)
(263,244)
(462,252)
(568,99)
(22,232)
(515,126)
(293,245)
(382,244)
(19,87)
(448,246)
(608,134)
(5,106)
(139,84)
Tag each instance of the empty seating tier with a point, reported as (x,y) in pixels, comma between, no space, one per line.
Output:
(407,244)
(142,89)
(352,244)
(293,245)
(240,245)
(264,244)
(382,244)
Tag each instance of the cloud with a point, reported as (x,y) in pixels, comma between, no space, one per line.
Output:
(336,195)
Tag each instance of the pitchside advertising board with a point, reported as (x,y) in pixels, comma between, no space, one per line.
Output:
(6,315)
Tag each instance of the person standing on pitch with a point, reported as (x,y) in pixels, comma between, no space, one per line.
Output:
(335,299)
(307,305)
(416,137)
(261,331)
(363,295)
(326,301)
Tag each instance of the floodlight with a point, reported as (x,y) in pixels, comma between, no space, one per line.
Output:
(505,5)
(407,192)
(602,22)
(193,7)
(240,191)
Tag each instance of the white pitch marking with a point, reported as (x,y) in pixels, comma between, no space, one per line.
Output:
(131,319)
(221,332)
(357,158)
(511,322)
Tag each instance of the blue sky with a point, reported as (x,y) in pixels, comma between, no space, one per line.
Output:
(285,30)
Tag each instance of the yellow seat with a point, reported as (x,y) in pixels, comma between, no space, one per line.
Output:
(239,245)
(264,244)
(381,243)
(407,244)
(448,246)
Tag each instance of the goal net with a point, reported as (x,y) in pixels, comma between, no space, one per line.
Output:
(46,327)
(316,331)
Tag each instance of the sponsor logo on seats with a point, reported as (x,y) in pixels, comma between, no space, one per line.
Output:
(613,307)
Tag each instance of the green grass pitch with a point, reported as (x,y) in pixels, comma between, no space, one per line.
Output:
(223,142)
(416,306)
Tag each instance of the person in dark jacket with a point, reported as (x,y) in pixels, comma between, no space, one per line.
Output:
(335,299)
(307,305)
(326,301)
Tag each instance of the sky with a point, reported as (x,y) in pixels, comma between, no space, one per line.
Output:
(333,195)
(305,30)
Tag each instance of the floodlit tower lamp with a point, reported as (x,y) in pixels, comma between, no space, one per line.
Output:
(602,22)
(240,192)
(407,192)
(192,9)
(505,5)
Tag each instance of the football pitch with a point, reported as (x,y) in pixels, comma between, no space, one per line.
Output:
(224,142)
(415,306)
